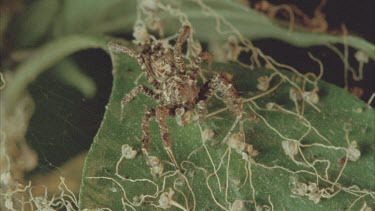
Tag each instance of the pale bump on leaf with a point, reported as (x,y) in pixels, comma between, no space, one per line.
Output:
(156,166)
(294,94)
(262,208)
(237,205)
(263,83)
(353,153)
(207,134)
(165,200)
(312,96)
(290,148)
(128,152)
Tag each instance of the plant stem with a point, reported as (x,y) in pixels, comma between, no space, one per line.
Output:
(45,58)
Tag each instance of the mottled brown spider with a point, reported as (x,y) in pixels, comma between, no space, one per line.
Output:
(175,87)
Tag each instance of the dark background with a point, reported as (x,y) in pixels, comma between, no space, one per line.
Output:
(359,19)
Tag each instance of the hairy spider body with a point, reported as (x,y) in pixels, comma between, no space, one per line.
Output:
(178,91)
(175,87)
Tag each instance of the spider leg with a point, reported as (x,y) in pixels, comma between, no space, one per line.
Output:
(161,117)
(146,130)
(143,62)
(134,92)
(203,56)
(177,50)
(117,48)
(220,83)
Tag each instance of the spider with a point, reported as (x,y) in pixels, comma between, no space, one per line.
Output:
(175,87)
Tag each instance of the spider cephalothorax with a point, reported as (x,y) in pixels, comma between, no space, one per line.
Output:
(175,86)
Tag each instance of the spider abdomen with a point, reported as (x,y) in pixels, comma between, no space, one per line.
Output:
(181,91)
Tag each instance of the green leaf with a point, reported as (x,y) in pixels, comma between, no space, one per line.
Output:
(119,16)
(253,25)
(44,58)
(86,16)
(33,24)
(68,72)
(116,16)
(115,183)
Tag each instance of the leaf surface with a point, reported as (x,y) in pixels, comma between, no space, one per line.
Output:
(267,180)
